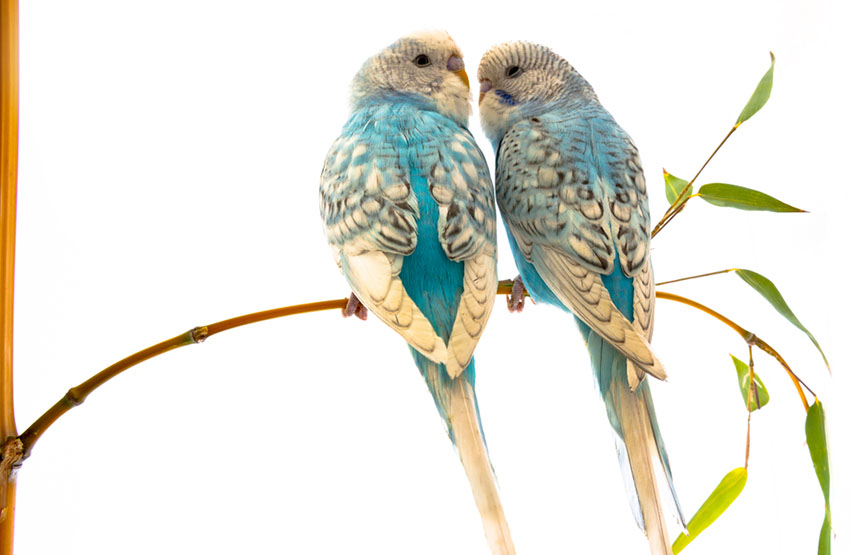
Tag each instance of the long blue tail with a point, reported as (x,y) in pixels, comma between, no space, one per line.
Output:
(458,406)
(640,447)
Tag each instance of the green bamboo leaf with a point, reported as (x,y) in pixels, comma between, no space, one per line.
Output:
(816,439)
(760,95)
(760,396)
(723,495)
(769,291)
(673,186)
(825,540)
(742,198)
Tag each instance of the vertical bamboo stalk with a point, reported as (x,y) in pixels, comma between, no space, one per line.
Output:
(8,195)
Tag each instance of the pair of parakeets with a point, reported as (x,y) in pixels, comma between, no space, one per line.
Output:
(408,209)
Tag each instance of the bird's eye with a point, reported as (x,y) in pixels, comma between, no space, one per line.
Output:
(513,71)
(422,60)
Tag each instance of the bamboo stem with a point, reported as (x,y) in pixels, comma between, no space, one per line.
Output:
(8,201)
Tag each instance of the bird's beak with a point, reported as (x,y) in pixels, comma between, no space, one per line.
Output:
(456,65)
(484,86)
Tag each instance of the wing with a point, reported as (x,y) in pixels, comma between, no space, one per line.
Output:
(572,193)
(644,316)
(370,216)
(366,201)
(460,184)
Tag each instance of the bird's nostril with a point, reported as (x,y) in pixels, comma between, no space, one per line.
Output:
(455,63)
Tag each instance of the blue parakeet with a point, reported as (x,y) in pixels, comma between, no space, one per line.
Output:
(571,190)
(409,213)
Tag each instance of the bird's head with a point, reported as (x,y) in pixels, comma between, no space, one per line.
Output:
(425,66)
(520,79)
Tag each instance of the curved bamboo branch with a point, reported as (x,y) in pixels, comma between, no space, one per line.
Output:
(77,395)
(748,336)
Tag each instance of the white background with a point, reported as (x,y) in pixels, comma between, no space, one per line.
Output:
(169,163)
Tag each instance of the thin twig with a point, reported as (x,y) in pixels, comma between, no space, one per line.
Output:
(677,207)
(695,277)
(751,391)
(748,336)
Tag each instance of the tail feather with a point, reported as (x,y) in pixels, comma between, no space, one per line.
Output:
(661,458)
(457,404)
(641,451)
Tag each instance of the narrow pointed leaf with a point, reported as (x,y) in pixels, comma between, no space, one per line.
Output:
(769,291)
(760,395)
(825,540)
(760,95)
(816,439)
(742,198)
(723,495)
(673,186)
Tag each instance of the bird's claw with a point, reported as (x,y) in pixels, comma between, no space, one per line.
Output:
(516,300)
(355,308)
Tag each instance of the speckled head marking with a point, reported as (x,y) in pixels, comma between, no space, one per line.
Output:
(428,65)
(522,78)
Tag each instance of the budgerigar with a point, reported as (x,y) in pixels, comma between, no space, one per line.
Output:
(409,212)
(571,191)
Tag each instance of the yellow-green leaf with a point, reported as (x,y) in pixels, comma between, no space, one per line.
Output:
(723,495)
(760,396)
(825,540)
(769,291)
(760,95)
(673,186)
(816,439)
(742,198)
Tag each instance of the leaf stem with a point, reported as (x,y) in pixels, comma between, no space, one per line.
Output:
(748,336)
(718,272)
(677,207)
(747,453)
(751,391)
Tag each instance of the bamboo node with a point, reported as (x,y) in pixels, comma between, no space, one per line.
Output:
(199,334)
(10,460)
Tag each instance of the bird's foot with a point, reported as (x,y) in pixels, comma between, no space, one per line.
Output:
(355,308)
(516,300)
